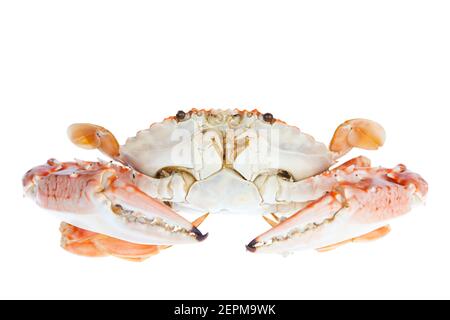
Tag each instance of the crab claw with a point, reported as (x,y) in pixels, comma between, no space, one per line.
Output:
(101,198)
(360,133)
(90,244)
(150,221)
(91,136)
(408,179)
(350,211)
(296,232)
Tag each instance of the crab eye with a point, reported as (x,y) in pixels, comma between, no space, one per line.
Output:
(180,115)
(268,117)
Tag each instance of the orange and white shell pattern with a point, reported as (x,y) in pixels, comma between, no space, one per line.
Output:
(222,161)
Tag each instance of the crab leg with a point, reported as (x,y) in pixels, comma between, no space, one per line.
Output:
(91,136)
(371,236)
(102,198)
(90,244)
(360,133)
(314,187)
(356,206)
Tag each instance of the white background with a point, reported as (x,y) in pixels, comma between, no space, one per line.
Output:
(314,64)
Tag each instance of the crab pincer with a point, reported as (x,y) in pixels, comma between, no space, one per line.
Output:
(91,244)
(222,161)
(102,197)
(358,207)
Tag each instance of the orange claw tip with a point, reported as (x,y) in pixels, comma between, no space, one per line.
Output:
(91,136)
(360,133)
(197,222)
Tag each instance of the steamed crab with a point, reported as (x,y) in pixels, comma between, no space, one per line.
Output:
(211,161)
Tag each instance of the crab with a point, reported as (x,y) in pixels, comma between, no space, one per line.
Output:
(222,161)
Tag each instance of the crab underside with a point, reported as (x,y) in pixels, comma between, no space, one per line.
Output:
(229,161)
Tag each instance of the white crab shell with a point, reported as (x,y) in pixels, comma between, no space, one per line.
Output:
(227,161)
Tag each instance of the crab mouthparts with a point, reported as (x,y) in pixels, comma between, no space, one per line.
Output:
(129,216)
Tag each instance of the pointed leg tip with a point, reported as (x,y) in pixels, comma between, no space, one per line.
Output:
(199,236)
(197,222)
(270,221)
(251,247)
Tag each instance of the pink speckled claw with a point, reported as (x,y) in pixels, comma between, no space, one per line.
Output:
(221,161)
(105,198)
(358,206)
